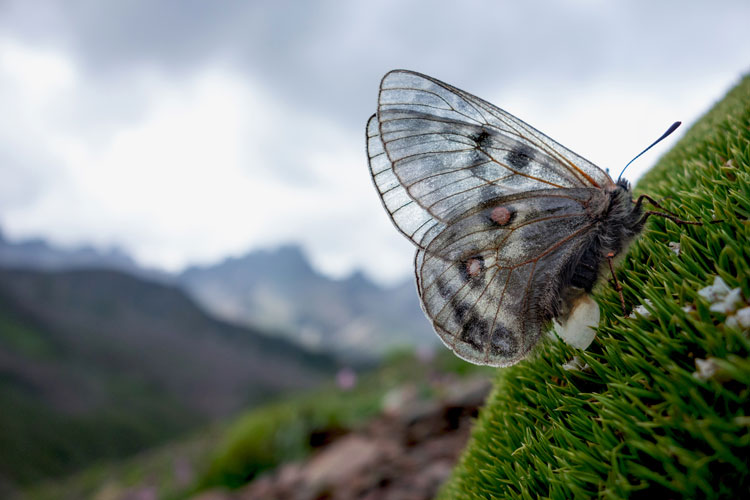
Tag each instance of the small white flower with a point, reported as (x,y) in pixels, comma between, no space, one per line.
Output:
(575,364)
(705,368)
(743,317)
(642,311)
(728,303)
(675,247)
(714,292)
(709,369)
(740,319)
(688,308)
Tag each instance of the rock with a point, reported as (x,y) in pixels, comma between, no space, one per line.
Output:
(343,459)
(405,454)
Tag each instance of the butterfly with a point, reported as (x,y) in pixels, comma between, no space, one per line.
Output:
(511,228)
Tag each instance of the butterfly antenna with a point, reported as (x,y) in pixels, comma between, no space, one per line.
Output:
(671,129)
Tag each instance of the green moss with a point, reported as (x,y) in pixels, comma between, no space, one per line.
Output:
(277,433)
(639,423)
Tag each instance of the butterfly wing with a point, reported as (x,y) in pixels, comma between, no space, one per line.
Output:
(490,289)
(499,212)
(450,150)
(408,216)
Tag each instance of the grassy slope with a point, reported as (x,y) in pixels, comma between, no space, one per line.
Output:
(639,424)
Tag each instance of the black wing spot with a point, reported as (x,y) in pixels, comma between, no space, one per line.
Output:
(520,157)
(474,332)
(481,139)
(503,343)
(442,288)
(460,309)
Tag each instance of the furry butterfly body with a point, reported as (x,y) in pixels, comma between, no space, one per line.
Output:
(511,228)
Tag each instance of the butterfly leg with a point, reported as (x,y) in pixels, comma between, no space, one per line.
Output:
(671,217)
(653,202)
(618,286)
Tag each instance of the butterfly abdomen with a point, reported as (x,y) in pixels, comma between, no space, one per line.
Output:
(586,270)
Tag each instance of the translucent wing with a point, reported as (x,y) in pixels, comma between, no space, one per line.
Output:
(450,150)
(500,213)
(491,281)
(410,219)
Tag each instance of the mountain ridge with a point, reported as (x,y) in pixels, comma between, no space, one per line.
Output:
(274,289)
(351,317)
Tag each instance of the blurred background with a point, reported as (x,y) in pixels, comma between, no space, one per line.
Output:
(198,283)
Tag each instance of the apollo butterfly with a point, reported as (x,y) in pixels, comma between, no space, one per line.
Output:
(511,228)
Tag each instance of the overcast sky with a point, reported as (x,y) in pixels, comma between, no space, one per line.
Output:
(188,131)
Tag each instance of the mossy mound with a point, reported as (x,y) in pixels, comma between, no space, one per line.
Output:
(643,420)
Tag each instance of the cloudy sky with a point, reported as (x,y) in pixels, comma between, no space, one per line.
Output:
(188,131)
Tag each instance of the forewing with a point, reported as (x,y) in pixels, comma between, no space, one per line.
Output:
(450,150)
(490,289)
(410,219)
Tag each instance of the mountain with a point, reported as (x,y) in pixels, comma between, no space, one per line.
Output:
(38,254)
(271,289)
(99,364)
(280,290)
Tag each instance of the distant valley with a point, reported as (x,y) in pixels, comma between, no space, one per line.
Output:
(100,364)
(101,358)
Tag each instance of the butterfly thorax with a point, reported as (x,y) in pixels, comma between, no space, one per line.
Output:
(618,221)
(623,219)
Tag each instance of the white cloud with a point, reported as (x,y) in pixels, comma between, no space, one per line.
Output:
(204,138)
(608,121)
(30,82)
(37,75)
(195,177)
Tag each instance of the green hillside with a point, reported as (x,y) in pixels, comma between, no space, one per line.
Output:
(663,409)
(225,457)
(99,364)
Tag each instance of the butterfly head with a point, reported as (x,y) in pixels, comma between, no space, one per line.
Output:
(623,215)
(623,184)
(619,189)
